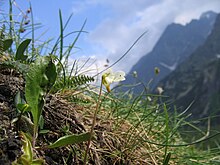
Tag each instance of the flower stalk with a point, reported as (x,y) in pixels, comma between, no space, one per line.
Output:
(93,125)
(107,78)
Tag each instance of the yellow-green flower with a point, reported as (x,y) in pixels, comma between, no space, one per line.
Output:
(109,77)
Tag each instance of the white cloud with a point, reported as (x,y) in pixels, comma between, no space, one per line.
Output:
(116,33)
(82,5)
(195,10)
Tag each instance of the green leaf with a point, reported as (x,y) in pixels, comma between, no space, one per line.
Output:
(33,92)
(37,162)
(7,44)
(27,148)
(27,157)
(70,139)
(20,51)
(51,74)
(41,122)
(39,80)
(23,107)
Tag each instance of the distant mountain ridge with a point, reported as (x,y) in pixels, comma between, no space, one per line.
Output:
(174,46)
(197,79)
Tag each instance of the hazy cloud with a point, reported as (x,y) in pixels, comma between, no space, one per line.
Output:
(129,19)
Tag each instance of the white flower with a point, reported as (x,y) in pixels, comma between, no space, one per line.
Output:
(160,90)
(109,77)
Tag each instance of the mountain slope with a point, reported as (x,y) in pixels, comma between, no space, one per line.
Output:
(174,46)
(197,79)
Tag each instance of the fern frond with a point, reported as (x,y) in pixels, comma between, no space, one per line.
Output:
(80,80)
(72,82)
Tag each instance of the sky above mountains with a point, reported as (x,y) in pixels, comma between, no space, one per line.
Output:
(113,26)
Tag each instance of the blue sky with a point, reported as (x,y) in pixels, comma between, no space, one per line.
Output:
(114,25)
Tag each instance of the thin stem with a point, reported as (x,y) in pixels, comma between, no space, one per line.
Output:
(93,125)
(61,36)
(11,23)
(10,18)
(32,33)
(166,133)
(35,136)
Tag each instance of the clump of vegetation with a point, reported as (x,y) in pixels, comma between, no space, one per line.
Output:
(53,115)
